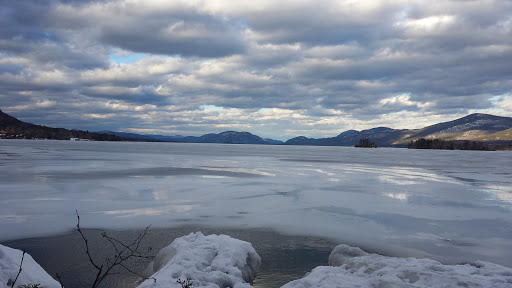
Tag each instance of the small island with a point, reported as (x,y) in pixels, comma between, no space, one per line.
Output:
(366,143)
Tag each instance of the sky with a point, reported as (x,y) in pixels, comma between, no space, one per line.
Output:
(278,69)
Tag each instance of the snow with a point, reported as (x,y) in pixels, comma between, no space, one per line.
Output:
(31,272)
(216,261)
(352,267)
(209,261)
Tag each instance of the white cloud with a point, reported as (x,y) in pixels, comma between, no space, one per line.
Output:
(403,100)
(428,25)
(37,104)
(504,102)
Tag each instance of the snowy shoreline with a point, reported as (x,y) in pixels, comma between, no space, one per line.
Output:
(284,257)
(223,261)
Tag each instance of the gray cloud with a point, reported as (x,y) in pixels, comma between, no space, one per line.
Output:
(319,67)
(173,29)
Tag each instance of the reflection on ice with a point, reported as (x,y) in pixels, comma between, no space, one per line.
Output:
(151,211)
(397,180)
(385,200)
(398,196)
(11,218)
(498,192)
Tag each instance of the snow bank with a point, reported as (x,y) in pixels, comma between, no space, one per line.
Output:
(356,268)
(31,273)
(209,261)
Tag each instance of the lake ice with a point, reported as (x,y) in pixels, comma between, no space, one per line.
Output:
(451,206)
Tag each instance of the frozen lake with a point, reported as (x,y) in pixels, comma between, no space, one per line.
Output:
(451,206)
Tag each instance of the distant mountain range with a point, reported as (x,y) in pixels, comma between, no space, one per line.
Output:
(474,127)
(228,137)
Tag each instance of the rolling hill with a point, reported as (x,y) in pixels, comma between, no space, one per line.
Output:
(12,128)
(227,137)
(498,136)
(471,127)
(475,127)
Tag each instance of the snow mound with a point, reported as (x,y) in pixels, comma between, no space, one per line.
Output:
(31,272)
(356,268)
(209,261)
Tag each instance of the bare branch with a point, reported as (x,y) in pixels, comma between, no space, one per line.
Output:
(19,272)
(133,272)
(185,283)
(60,281)
(123,252)
(86,244)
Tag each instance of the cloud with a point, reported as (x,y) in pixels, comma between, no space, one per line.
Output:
(504,103)
(38,104)
(310,67)
(402,102)
(158,27)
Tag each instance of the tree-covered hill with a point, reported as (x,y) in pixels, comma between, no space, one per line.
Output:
(12,128)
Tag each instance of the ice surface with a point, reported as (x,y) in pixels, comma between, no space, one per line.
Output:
(209,261)
(451,206)
(356,268)
(31,273)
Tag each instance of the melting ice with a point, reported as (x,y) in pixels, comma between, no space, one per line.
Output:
(450,206)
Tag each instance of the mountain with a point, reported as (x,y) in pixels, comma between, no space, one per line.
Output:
(498,136)
(382,136)
(145,137)
(232,137)
(470,127)
(228,137)
(7,120)
(476,126)
(12,128)
(273,141)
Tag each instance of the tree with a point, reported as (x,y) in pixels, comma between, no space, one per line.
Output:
(366,143)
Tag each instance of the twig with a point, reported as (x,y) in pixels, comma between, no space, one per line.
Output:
(135,273)
(99,268)
(185,283)
(86,244)
(123,252)
(60,281)
(19,272)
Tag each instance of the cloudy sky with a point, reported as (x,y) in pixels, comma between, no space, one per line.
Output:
(277,69)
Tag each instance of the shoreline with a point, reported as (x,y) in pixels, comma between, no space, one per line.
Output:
(284,257)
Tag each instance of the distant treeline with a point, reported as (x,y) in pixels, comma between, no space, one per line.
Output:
(423,143)
(30,131)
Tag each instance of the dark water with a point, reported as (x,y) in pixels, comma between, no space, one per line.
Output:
(284,258)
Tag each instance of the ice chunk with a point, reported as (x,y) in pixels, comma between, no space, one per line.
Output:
(342,253)
(31,273)
(209,261)
(355,268)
